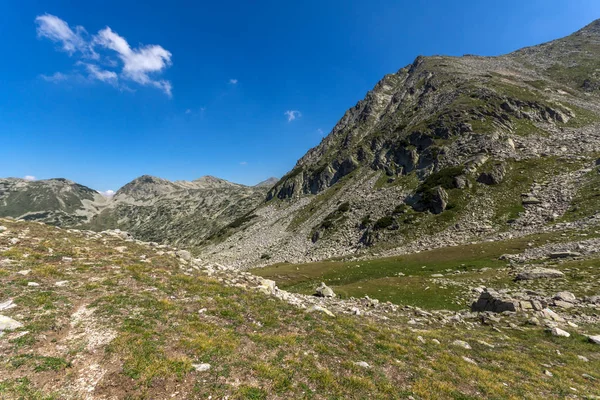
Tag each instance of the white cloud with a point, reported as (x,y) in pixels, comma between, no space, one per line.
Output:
(29,178)
(244,163)
(233,81)
(320,131)
(108,193)
(292,115)
(57,30)
(188,111)
(55,77)
(100,74)
(140,65)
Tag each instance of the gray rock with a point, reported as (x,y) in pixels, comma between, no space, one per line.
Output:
(559,332)
(564,254)
(493,177)
(491,300)
(548,314)
(461,182)
(203,367)
(539,273)
(439,200)
(593,299)
(324,291)
(565,296)
(7,324)
(594,339)
(462,343)
(184,255)
(267,286)
(530,200)
(362,364)
(6,305)
(320,309)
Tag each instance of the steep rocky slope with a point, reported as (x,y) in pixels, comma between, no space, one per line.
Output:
(88,315)
(151,208)
(446,150)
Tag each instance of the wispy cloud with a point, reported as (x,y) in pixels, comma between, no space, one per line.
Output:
(29,178)
(188,111)
(57,30)
(244,163)
(292,115)
(320,131)
(138,63)
(100,74)
(55,77)
(233,81)
(141,65)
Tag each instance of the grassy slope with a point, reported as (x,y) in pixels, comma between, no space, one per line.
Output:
(469,265)
(258,347)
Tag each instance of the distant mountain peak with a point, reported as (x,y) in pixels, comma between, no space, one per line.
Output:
(209,181)
(268,182)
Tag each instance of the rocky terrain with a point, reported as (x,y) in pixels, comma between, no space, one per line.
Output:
(446,151)
(151,208)
(100,315)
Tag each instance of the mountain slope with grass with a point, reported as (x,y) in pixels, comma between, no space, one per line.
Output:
(446,151)
(87,315)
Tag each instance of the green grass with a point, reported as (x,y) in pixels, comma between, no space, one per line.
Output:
(378,278)
(587,199)
(165,319)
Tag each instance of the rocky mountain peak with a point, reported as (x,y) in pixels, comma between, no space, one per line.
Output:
(146,186)
(212,182)
(268,182)
(593,28)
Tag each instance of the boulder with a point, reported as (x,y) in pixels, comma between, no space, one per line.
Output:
(594,339)
(324,291)
(461,182)
(564,254)
(494,176)
(539,273)
(184,255)
(439,200)
(203,367)
(559,332)
(531,200)
(565,296)
(267,286)
(491,300)
(550,315)
(7,324)
(462,343)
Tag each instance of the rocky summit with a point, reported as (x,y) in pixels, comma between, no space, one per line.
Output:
(443,241)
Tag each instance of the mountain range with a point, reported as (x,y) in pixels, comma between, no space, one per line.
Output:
(447,150)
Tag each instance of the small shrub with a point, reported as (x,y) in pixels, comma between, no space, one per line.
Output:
(366,221)
(344,207)
(383,223)
(400,209)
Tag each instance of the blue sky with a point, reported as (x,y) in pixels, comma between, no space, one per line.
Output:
(103,92)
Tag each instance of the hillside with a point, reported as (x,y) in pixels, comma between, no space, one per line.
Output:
(88,315)
(150,208)
(447,151)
